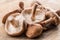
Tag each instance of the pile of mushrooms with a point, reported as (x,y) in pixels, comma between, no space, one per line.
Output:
(31,21)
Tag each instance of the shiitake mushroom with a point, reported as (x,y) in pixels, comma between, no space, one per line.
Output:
(37,17)
(14,22)
(15,25)
(34,30)
(51,21)
(33,14)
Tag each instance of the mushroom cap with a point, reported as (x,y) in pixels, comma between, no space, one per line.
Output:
(14,25)
(39,16)
(34,30)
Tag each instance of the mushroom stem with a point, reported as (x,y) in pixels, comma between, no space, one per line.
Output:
(14,23)
(47,21)
(21,5)
(33,12)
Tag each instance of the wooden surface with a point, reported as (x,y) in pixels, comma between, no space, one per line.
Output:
(10,5)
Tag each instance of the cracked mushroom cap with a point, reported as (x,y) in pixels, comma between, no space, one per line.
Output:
(14,25)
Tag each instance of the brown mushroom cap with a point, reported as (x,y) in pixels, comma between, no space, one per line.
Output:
(34,30)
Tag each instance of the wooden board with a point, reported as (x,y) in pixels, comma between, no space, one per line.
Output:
(10,5)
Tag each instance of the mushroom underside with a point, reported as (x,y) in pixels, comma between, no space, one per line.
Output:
(15,25)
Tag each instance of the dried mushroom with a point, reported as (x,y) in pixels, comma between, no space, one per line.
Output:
(15,24)
(51,20)
(31,21)
(33,15)
(34,30)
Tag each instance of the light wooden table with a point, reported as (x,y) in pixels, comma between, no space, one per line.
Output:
(10,5)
